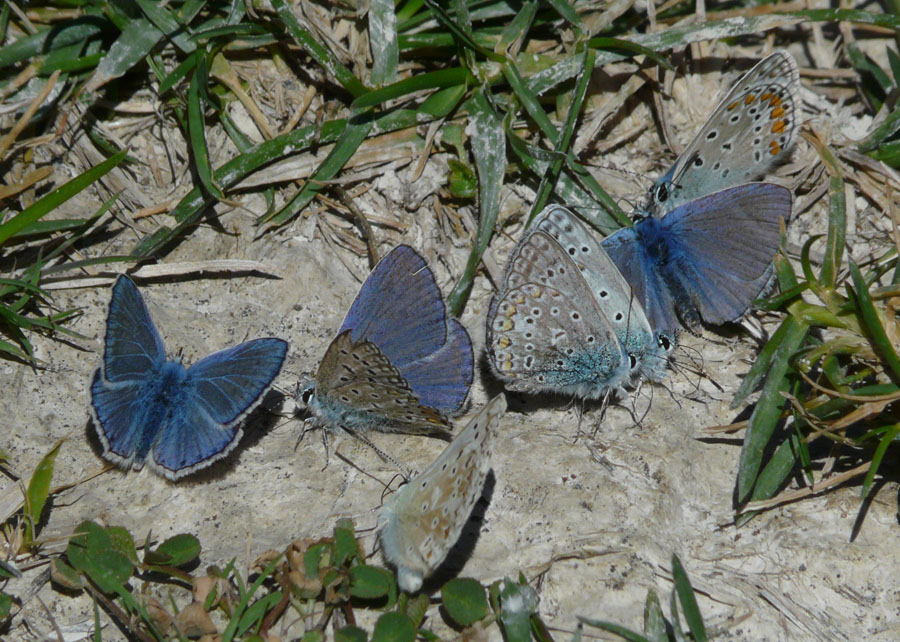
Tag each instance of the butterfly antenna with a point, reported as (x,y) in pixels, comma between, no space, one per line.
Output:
(387,488)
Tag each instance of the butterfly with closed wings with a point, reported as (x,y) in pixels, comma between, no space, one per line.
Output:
(565,321)
(422,521)
(399,363)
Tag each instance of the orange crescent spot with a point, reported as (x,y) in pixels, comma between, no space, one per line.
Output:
(778,127)
(733,105)
(749,99)
(775,148)
(778,112)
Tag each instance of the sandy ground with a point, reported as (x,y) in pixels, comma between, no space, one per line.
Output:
(593,521)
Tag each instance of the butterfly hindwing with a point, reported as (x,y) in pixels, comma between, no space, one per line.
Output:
(751,129)
(547,332)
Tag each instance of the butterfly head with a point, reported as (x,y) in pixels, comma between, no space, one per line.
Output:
(655,360)
(305,396)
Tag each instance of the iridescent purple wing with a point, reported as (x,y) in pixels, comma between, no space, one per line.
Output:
(708,259)
(399,308)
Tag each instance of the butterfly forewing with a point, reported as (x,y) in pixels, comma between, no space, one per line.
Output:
(399,308)
(420,524)
(750,130)
(133,349)
(611,290)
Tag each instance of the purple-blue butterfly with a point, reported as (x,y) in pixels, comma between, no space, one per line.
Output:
(705,261)
(399,363)
(701,249)
(177,420)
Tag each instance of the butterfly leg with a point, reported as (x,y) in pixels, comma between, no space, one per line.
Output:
(378,451)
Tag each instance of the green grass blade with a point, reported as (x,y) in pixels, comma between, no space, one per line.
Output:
(688,601)
(130,48)
(168,24)
(561,140)
(613,44)
(518,28)
(765,415)
(383,39)
(430,80)
(489,150)
(837,220)
(60,35)
(197,129)
(886,440)
(877,335)
(24,219)
(625,634)
(319,53)
(350,140)
(677,36)
(848,15)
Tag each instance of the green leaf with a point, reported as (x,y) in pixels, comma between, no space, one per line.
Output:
(87,538)
(394,627)
(312,558)
(175,551)
(517,603)
(345,545)
(108,569)
(5,605)
(465,601)
(369,582)
(688,601)
(122,541)
(38,492)
(350,634)
(461,179)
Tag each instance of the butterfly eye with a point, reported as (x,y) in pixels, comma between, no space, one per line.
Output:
(307,396)
(662,193)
